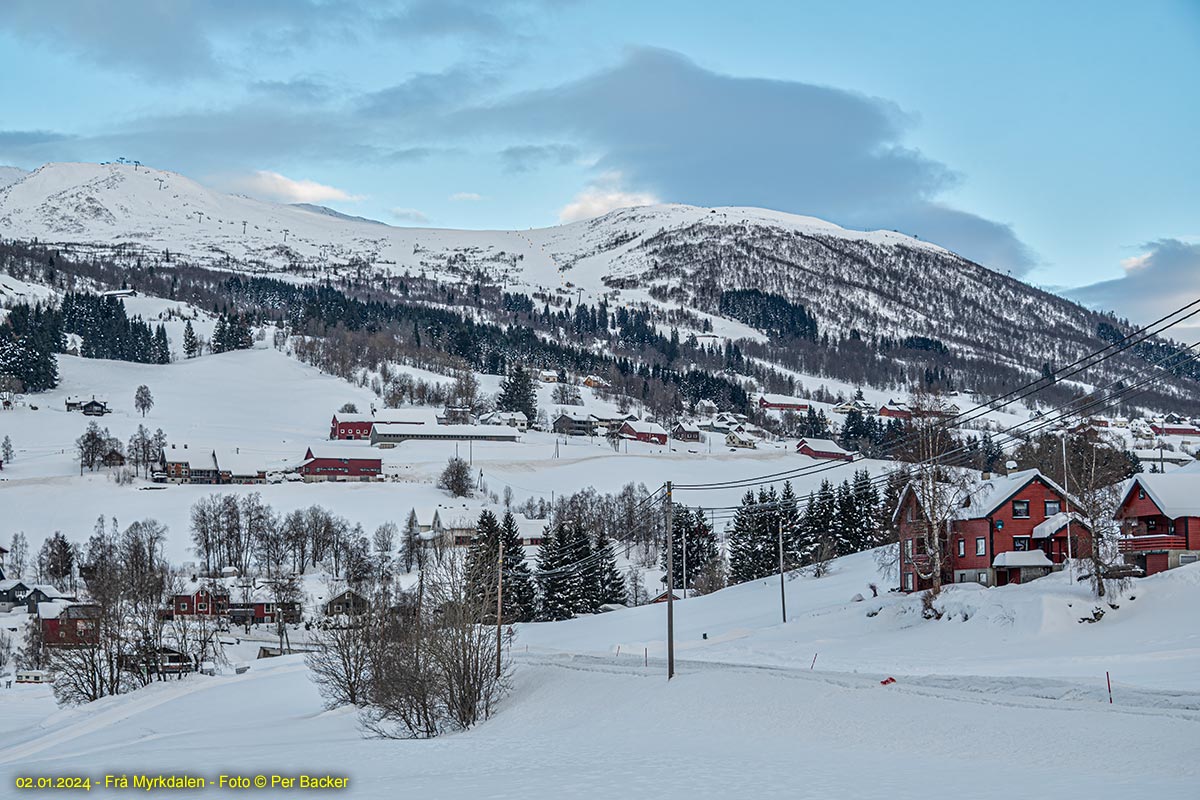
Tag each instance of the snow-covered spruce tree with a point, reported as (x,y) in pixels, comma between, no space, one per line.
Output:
(6,450)
(520,595)
(481,565)
(743,559)
(517,393)
(612,584)
(191,345)
(558,586)
(691,526)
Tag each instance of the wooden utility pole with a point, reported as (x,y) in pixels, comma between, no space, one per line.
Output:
(499,600)
(782,594)
(670,590)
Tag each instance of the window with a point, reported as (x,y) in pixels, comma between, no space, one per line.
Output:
(908,514)
(1053,507)
(1020,543)
(962,547)
(962,577)
(1187,558)
(982,577)
(1151,524)
(908,548)
(202,606)
(980,546)
(1020,509)
(1141,493)
(908,581)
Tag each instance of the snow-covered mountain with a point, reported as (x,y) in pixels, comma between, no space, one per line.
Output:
(880,285)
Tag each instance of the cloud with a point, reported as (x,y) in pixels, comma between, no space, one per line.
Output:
(425,92)
(273,186)
(466,197)
(168,40)
(602,198)
(1157,281)
(410,215)
(528,157)
(678,131)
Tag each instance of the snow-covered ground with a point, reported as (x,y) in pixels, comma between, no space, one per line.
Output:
(1013,699)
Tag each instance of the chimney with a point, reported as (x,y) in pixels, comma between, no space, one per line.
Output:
(1010,467)
(985,475)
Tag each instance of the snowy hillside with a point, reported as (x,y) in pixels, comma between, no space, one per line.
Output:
(881,285)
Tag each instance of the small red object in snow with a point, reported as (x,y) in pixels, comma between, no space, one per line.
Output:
(886,681)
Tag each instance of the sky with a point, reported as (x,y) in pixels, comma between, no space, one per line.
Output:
(1053,141)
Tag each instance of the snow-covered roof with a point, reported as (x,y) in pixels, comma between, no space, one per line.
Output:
(393,415)
(1053,524)
(9,584)
(236,463)
(1177,494)
(1022,558)
(823,445)
(783,399)
(50,610)
(989,495)
(645,426)
(690,427)
(574,416)
(328,452)
(46,589)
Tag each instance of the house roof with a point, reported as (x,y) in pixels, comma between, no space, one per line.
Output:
(382,415)
(239,463)
(1022,558)
(340,453)
(994,492)
(46,589)
(574,416)
(50,610)
(10,584)
(691,427)
(783,399)
(1177,494)
(645,426)
(1052,525)
(823,445)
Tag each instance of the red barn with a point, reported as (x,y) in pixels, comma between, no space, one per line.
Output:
(823,448)
(782,402)
(896,410)
(339,464)
(1175,429)
(358,426)
(644,431)
(1008,529)
(1160,517)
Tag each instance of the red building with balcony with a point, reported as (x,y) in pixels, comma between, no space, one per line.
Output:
(1006,529)
(1160,520)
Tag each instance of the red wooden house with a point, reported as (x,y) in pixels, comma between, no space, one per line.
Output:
(1160,517)
(896,410)
(359,426)
(782,402)
(334,465)
(1007,529)
(201,602)
(644,431)
(69,624)
(823,448)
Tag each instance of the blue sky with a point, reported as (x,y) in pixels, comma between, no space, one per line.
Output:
(1053,140)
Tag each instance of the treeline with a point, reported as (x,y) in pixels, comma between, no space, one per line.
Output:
(29,338)
(774,315)
(106,331)
(832,522)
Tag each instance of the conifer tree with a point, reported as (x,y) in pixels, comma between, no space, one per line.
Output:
(191,345)
(517,393)
(612,584)
(559,586)
(520,595)
(742,558)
